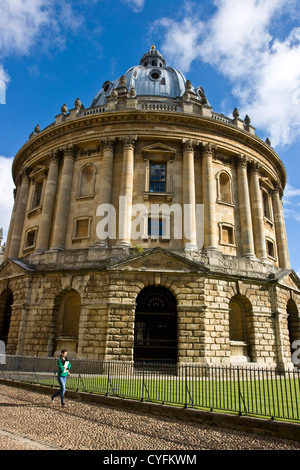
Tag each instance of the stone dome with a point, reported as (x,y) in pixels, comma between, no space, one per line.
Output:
(151,78)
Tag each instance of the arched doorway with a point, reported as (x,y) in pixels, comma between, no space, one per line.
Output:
(6,301)
(155,335)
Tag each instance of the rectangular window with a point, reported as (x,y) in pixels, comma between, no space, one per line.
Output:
(227,234)
(157,178)
(37,195)
(30,239)
(82,228)
(270,249)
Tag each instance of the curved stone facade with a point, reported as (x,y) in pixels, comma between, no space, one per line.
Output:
(149,191)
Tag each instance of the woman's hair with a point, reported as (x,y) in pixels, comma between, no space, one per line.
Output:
(63,351)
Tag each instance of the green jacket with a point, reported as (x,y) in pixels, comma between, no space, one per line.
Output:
(62,372)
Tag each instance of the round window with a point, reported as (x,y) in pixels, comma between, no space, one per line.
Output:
(155,75)
(106,86)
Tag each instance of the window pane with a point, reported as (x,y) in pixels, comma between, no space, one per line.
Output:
(155,228)
(157,177)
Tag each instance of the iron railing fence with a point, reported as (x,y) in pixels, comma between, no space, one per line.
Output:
(247,390)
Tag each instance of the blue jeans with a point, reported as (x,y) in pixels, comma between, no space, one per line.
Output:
(62,391)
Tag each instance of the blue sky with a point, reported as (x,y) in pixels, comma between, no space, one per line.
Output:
(244,53)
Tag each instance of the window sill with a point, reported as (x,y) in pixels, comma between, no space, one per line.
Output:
(148,194)
(224,203)
(35,211)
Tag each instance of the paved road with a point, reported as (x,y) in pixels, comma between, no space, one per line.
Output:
(30,421)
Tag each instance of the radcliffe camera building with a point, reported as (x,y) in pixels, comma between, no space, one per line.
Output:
(148,227)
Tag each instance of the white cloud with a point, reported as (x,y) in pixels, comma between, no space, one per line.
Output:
(33,25)
(291,203)
(136,5)
(240,41)
(7,199)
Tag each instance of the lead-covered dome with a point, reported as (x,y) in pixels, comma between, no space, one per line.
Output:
(151,78)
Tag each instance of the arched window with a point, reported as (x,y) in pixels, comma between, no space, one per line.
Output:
(224,188)
(87,181)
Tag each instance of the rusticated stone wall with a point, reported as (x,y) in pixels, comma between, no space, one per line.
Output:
(108,301)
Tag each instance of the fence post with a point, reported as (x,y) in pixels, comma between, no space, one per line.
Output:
(143,382)
(186,388)
(78,378)
(239,390)
(107,378)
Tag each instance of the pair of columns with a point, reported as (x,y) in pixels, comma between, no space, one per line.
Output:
(253,240)
(63,202)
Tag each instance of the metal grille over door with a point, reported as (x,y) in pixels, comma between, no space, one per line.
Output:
(155,338)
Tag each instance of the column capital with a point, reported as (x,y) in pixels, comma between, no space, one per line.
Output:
(108,142)
(55,155)
(278,188)
(208,148)
(254,167)
(129,141)
(242,160)
(23,176)
(69,151)
(189,144)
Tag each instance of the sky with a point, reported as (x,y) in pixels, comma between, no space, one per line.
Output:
(244,53)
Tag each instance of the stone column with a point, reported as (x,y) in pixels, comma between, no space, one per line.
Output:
(12,220)
(48,203)
(63,203)
(17,230)
(257,213)
(281,238)
(209,199)
(189,197)
(126,191)
(246,235)
(105,193)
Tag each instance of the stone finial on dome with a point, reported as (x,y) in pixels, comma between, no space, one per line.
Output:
(114,95)
(235,113)
(247,120)
(188,85)
(268,141)
(122,81)
(64,109)
(77,103)
(132,92)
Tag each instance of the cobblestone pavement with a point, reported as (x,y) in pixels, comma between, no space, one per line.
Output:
(30,420)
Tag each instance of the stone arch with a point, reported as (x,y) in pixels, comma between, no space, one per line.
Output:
(155,332)
(240,330)
(6,302)
(293,322)
(66,316)
(86,184)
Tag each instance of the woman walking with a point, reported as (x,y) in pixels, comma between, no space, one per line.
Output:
(64,367)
